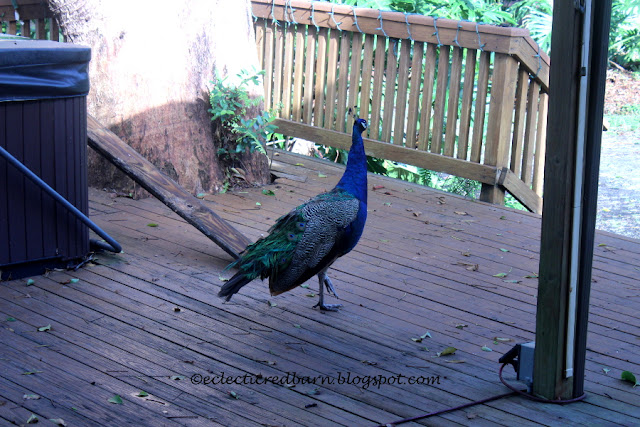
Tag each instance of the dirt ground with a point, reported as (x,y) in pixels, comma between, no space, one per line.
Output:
(619,184)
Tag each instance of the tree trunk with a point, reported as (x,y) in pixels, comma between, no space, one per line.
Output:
(150,72)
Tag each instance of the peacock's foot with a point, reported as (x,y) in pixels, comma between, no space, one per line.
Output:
(328,307)
(329,285)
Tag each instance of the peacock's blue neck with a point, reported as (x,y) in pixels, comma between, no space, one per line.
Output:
(354,179)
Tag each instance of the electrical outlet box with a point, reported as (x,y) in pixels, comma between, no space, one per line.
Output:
(525,365)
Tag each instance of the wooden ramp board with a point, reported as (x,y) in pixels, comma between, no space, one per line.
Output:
(169,192)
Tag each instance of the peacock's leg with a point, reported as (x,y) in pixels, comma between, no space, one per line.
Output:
(324,281)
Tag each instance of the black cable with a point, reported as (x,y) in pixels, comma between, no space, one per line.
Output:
(536,398)
(514,391)
(442,411)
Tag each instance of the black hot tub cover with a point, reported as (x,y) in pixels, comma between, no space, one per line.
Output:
(40,69)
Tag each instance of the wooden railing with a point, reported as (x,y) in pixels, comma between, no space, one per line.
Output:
(31,16)
(455,97)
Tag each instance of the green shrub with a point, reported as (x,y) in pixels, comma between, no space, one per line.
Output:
(624,35)
(230,106)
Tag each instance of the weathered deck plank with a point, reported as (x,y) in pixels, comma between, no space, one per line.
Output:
(118,324)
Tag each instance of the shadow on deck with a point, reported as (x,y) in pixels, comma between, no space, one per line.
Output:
(148,320)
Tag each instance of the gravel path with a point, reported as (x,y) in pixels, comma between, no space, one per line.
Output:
(619,185)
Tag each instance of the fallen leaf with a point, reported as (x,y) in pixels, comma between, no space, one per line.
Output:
(531,276)
(460,213)
(11,319)
(469,266)
(152,224)
(368,362)
(417,214)
(299,164)
(74,280)
(504,250)
(460,326)
(466,253)
(31,397)
(142,394)
(31,372)
(313,391)
(629,377)
(272,304)
(503,217)
(503,274)
(423,336)
(513,281)
(176,377)
(267,192)
(502,339)
(201,195)
(58,421)
(223,279)
(33,418)
(311,295)
(606,370)
(44,328)
(116,399)
(234,395)
(447,351)
(305,285)
(258,204)
(295,325)
(485,348)
(321,175)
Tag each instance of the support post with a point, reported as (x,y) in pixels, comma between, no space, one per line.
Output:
(568,224)
(555,244)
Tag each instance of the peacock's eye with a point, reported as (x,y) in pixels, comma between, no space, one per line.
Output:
(300,226)
(292,237)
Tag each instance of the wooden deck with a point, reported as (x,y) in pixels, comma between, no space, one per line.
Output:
(149,320)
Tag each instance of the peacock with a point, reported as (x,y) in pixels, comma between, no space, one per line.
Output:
(307,240)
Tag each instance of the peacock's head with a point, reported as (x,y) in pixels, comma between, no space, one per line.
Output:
(360,124)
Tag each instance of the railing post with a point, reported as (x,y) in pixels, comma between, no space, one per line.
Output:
(498,140)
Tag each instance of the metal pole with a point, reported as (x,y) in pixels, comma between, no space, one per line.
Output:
(114,246)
